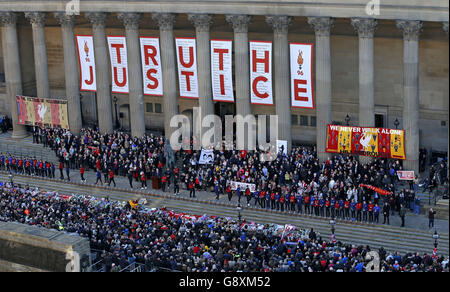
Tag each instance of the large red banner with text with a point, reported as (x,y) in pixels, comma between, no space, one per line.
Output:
(42,111)
(375,142)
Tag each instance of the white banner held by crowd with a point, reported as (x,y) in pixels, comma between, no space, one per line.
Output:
(302,95)
(187,67)
(206,157)
(261,72)
(405,174)
(243,186)
(119,66)
(86,61)
(221,70)
(151,66)
(301,75)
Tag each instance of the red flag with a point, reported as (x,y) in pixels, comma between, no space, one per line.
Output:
(332,139)
(55,113)
(378,190)
(384,144)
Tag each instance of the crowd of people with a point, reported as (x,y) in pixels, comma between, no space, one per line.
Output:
(127,234)
(296,182)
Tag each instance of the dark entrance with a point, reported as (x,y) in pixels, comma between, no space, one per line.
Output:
(379,121)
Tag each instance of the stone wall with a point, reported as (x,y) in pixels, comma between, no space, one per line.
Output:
(30,248)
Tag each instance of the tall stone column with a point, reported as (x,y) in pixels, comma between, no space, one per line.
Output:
(12,69)
(366,29)
(241,62)
(37,20)
(136,95)
(165,22)
(104,106)
(322,27)
(202,23)
(71,73)
(411,31)
(445,27)
(280,26)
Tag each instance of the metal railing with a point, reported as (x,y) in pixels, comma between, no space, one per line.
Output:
(439,193)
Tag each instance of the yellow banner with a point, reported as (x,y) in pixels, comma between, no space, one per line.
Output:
(397,145)
(345,140)
(30,110)
(63,116)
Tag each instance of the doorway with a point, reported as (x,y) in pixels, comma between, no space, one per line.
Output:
(124,117)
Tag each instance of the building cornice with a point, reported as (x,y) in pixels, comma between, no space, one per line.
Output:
(430,10)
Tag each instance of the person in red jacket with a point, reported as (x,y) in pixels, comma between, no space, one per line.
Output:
(229,193)
(191,189)
(111,177)
(262,199)
(83,180)
(282,202)
(359,211)
(370,209)
(143,181)
(48,167)
(292,201)
(27,167)
(327,208)
(335,211)
(247,196)
(307,199)
(347,209)
(164,182)
(61,167)
(272,200)
(316,206)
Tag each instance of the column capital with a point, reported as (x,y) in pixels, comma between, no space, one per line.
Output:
(165,21)
(239,22)
(65,19)
(96,18)
(322,25)
(445,26)
(36,18)
(279,24)
(130,20)
(202,22)
(8,18)
(365,27)
(411,29)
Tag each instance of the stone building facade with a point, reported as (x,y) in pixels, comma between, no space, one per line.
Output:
(376,64)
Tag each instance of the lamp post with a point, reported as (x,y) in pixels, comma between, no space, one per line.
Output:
(81,108)
(239,208)
(347,119)
(332,223)
(115,99)
(435,237)
(396,123)
(11,179)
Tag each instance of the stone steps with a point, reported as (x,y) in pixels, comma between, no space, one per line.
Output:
(27,149)
(390,237)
